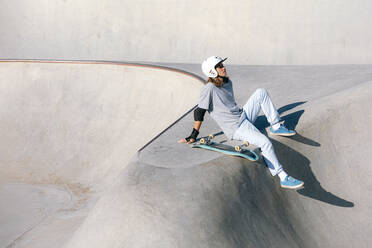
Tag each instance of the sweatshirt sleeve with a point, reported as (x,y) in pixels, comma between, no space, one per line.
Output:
(205,100)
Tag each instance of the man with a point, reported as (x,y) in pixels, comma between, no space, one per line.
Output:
(217,97)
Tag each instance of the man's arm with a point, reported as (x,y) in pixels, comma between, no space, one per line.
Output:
(197,125)
(199,118)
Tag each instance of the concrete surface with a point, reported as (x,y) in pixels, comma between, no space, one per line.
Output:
(71,177)
(67,130)
(88,152)
(187,31)
(173,196)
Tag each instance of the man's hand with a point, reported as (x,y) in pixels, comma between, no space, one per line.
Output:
(194,134)
(185,141)
(192,138)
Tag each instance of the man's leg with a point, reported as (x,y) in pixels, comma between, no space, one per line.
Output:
(260,100)
(248,132)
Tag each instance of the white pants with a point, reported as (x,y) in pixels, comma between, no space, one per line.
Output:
(260,100)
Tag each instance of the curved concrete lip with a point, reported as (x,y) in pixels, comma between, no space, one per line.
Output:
(68,128)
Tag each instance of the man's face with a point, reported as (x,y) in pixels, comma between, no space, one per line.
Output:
(221,69)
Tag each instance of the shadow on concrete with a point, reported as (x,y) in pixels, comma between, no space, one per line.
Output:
(285,108)
(298,166)
(295,163)
(253,211)
(290,121)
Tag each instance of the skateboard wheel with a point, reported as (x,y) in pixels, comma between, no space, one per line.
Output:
(246,143)
(211,136)
(202,141)
(237,148)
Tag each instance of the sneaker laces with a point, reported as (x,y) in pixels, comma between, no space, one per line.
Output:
(283,127)
(291,179)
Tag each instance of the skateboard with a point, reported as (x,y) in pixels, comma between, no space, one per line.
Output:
(238,151)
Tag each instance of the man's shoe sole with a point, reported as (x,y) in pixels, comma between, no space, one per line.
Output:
(293,187)
(283,134)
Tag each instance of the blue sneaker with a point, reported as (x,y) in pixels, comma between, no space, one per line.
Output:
(291,183)
(282,131)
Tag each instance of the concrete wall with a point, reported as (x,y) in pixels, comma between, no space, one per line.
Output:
(64,123)
(248,32)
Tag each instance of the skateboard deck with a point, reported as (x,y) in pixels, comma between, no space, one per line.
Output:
(226,149)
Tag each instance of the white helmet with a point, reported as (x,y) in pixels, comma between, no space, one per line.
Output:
(208,66)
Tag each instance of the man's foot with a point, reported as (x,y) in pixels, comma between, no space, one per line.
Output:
(291,183)
(282,131)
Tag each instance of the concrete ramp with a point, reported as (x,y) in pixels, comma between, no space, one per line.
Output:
(67,130)
(73,174)
(230,202)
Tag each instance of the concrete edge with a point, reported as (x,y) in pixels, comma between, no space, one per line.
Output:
(118,63)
